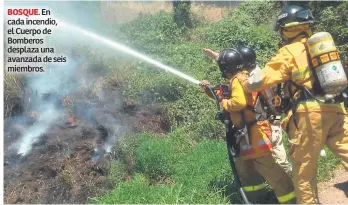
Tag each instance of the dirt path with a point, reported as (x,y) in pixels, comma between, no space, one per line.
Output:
(335,191)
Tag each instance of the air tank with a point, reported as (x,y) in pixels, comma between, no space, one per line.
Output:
(327,64)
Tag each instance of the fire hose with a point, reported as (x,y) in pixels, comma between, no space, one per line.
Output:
(232,134)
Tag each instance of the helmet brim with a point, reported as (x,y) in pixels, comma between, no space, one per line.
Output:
(289,25)
(301,17)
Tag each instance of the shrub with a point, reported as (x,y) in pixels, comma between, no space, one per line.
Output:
(181,14)
(338,29)
(261,12)
(241,30)
(149,31)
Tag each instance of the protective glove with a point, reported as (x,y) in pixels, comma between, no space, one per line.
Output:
(204,84)
(223,102)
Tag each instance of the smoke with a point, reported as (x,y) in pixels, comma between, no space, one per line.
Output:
(47,117)
(112,128)
(46,92)
(60,78)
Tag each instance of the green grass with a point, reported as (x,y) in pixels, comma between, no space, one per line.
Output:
(178,170)
(327,165)
(173,170)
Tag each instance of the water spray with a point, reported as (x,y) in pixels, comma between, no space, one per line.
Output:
(129,51)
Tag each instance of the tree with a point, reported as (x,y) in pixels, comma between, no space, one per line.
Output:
(181,14)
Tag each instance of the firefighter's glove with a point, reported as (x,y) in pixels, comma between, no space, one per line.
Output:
(204,84)
(223,102)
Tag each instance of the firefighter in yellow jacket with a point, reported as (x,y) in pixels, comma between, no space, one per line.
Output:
(255,162)
(310,124)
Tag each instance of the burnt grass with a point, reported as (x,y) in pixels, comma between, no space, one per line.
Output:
(63,165)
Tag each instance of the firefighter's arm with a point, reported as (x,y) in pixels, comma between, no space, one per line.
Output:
(276,71)
(237,100)
(210,53)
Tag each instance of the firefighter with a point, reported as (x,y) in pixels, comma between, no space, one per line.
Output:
(313,121)
(278,151)
(255,163)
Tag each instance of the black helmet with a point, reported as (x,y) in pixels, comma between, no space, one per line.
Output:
(248,56)
(295,15)
(230,61)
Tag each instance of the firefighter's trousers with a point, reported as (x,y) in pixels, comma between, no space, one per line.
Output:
(315,130)
(253,173)
(278,151)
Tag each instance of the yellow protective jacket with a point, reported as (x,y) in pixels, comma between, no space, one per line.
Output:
(260,132)
(290,63)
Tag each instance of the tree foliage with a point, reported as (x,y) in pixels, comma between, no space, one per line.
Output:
(182,15)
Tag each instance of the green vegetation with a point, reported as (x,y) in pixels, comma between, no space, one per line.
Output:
(190,164)
(172,170)
(327,164)
(334,19)
(181,14)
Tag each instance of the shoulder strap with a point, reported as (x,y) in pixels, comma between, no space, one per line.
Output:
(258,108)
(316,86)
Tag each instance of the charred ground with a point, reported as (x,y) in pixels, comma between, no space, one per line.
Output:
(71,160)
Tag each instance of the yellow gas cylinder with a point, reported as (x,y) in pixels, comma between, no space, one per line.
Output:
(327,64)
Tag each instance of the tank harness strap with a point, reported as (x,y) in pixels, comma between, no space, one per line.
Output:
(316,85)
(259,116)
(247,125)
(293,102)
(269,113)
(279,89)
(258,109)
(304,95)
